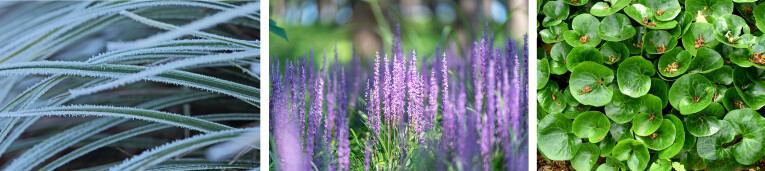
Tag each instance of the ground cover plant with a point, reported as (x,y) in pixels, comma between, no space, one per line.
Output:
(402,111)
(651,84)
(129,85)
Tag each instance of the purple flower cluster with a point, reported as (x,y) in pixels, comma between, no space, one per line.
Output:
(480,113)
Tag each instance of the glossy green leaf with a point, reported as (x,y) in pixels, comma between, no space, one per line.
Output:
(555,12)
(576,2)
(658,42)
(662,138)
(691,93)
(732,30)
(674,63)
(606,8)
(660,88)
(750,91)
(543,73)
(715,8)
(733,100)
(705,122)
(586,157)
(645,16)
(589,83)
(698,35)
(664,10)
(584,31)
(614,52)
(759,16)
(553,34)
(634,76)
(661,165)
(558,55)
(635,153)
(676,146)
(582,54)
(710,148)
(723,75)
(647,123)
(551,98)
(612,164)
(706,60)
(593,125)
(635,43)
(748,125)
(555,138)
(616,27)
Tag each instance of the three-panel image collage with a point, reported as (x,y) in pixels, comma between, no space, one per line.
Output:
(380,85)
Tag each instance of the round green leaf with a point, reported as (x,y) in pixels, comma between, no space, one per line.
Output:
(614,51)
(586,157)
(733,100)
(691,93)
(593,125)
(658,42)
(645,124)
(606,8)
(698,35)
(551,98)
(555,12)
(732,30)
(751,92)
(749,125)
(576,2)
(634,76)
(714,8)
(616,27)
(664,10)
(737,56)
(543,73)
(706,60)
(553,34)
(645,16)
(584,31)
(634,152)
(711,148)
(674,63)
(555,138)
(705,122)
(662,138)
(676,146)
(612,164)
(589,83)
(620,132)
(558,55)
(582,54)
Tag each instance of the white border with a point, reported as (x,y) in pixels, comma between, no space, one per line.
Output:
(264,84)
(532,93)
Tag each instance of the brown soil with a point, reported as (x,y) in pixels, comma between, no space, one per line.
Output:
(544,165)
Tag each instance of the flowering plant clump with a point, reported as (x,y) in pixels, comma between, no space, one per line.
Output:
(652,84)
(402,112)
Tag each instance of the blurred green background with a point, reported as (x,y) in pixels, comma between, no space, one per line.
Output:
(369,26)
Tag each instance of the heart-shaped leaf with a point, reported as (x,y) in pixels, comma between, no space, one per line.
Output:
(752,93)
(732,30)
(606,8)
(582,54)
(706,122)
(662,138)
(706,60)
(698,35)
(543,73)
(658,42)
(661,165)
(614,52)
(691,93)
(634,152)
(593,125)
(556,139)
(676,146)
(634,76)
(589,83)
(645,16)
(612,164)
(737,56)
(684,21)
(715,8)
(551,98)
(674,63)
(558,55)
(584,31)
(553,34)
(623,108)
(620,131)
(733,100)
(555,12)
(647,122)
(748,145)
(616,27)
(586,157)
(664,10)
(714,149)
(576,2)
